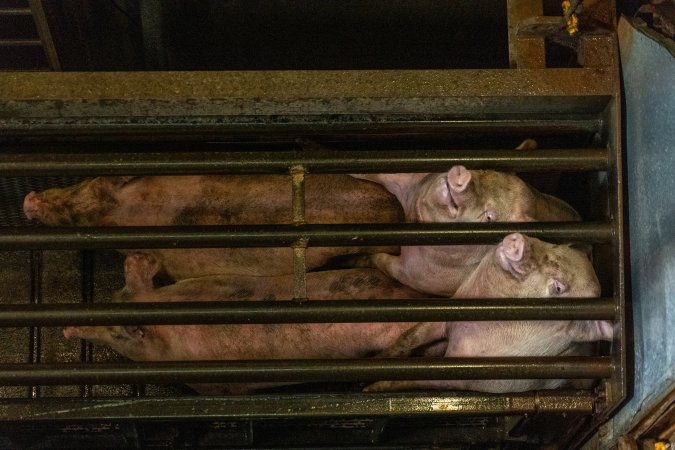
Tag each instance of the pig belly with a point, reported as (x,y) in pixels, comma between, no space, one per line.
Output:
(180,264)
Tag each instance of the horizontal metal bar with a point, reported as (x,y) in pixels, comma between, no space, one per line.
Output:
(86,127)
(60,238)
(314,161)
(20,43)
(15,12)
(299,405)
(306,370)
(271,85)
(233,312)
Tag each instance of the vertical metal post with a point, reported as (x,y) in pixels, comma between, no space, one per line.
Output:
(45,34)
(300,246)
(517,11)
(153,34)
(87,350)
(35,299)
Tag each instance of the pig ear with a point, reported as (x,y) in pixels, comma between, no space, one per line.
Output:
(514,246)
(528,144)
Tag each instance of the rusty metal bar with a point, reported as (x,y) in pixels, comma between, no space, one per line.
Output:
(305,370)
(20,43)
(35,334)
(312,311)
(301,405)
(297,173)
(60,238)
(15,11)
(321,91)
(45,34)
(319,161)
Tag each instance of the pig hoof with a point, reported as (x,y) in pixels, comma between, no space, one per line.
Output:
(379,386)
(31,205)
(70,332)
(139,270)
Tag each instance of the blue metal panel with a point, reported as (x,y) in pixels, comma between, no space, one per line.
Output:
(649,90)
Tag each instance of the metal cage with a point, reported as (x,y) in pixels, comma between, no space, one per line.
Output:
(59,127)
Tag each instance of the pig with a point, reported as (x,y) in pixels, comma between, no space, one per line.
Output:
(460,195)
(227,342)
(216,200)
(518,267)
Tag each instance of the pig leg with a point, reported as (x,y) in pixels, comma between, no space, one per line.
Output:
(419,335)
(415,337)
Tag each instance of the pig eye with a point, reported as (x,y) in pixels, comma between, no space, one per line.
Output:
(490,216)
(557,288)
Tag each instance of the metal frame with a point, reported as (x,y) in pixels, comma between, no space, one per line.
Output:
(44,109)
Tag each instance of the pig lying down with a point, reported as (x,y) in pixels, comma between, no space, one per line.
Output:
(264,341)
(519,267)
(217,200)
(460,195)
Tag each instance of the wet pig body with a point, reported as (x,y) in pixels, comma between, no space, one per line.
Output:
(217,200)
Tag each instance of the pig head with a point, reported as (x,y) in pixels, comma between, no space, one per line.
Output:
(520,266)
(460,195)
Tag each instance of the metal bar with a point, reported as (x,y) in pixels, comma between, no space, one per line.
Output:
(89,123)
(61,238)
(253,371)
(338,90)
(20,43)
(34,351)
(301,405)
(87,348)
(152,18)
(300,246)
(45,33)
(517,11)
(320,161)
(311,311)
(15,12)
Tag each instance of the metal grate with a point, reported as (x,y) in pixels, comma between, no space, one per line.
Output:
(440,110)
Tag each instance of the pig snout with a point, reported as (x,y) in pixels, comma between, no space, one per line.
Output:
(511,250)
(458,178)
(31,205)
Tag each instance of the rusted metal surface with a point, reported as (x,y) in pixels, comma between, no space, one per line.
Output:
(46,39)
(303,405)
(517,12)
(241,92)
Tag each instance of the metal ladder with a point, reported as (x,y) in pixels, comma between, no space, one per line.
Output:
(43,39)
